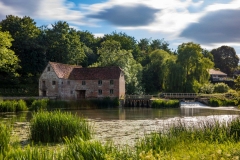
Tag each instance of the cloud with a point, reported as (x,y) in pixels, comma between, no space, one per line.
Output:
(215,27)
(120,15)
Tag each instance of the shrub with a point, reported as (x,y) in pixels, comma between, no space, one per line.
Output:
(207,88)
(54,126)
(221,88)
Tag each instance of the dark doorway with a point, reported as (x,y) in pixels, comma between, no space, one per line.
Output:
(81,94)
(44,93)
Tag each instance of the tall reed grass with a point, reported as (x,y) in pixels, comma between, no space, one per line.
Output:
(56,125)
(12,106)
(180,138)
(160,103)
(5,133)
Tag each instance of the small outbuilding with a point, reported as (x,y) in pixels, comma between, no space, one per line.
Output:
(71,82)
(217,75)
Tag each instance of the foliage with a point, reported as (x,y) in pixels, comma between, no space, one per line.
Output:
(111,55)
(8,60)
(221,88)
(55,126)
(5,133)
(226,59)
(39,105)
(195,66)
(155,72)
(25,45)
(165,103)
(207,88)
(12,106)
(216,102)
(237,83)
(64,45)
(207,140)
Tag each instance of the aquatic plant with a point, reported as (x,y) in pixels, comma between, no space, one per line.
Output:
(55,126)
(165,103)
(39,105)
(5,133)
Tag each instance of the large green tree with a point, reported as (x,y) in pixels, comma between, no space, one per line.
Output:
(25,45)
(194,65)
(64,44)
(154,73)
(226,59)
(110,54)
(9,62)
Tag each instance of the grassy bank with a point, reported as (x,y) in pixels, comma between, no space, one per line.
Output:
(46,104)
(204,140)
(161,103)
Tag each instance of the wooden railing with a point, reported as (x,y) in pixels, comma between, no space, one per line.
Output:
(138,96)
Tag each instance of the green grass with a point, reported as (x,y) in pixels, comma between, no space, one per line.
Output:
(55,126)
(13,106)
(5,132)
(160,103)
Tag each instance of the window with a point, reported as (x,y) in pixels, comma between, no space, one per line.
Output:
(53,82)
(68,82)
(99,91)
(111,91)
(83,82)
(71,92)
(48,68)
(111,82)
(99,82)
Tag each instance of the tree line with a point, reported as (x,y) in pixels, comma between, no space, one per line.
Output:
(150,66)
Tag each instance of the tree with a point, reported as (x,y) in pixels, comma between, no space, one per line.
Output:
(226,59)
(8,60)
(160,44)
(64,44)
(26,43)
(237,83)
(110,54)
(194,65)
(154,74)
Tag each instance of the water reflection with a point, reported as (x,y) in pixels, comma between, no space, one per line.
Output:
(138,113)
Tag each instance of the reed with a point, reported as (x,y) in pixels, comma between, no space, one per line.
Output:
(39,105)
(5,133)
(56,125)
(165,103)
(80,149)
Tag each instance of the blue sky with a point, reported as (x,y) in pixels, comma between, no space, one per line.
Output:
(210,23)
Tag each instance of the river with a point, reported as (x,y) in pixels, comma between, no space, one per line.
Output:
(125,125)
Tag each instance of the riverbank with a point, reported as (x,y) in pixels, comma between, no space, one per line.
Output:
(124,132)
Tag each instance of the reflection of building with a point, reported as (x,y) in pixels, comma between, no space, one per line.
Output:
(217,76)
(74,82)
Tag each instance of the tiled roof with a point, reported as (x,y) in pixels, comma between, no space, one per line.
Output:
(96,73)
(216,72)
(72,72)
(63,70)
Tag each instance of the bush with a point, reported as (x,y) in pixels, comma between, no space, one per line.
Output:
(56,125)
(207,88)
(221,88)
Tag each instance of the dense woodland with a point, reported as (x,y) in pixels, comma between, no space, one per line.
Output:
(150,66)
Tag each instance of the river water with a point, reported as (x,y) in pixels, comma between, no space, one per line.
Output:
(125,125)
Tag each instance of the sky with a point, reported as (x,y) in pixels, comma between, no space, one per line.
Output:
(210,23)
